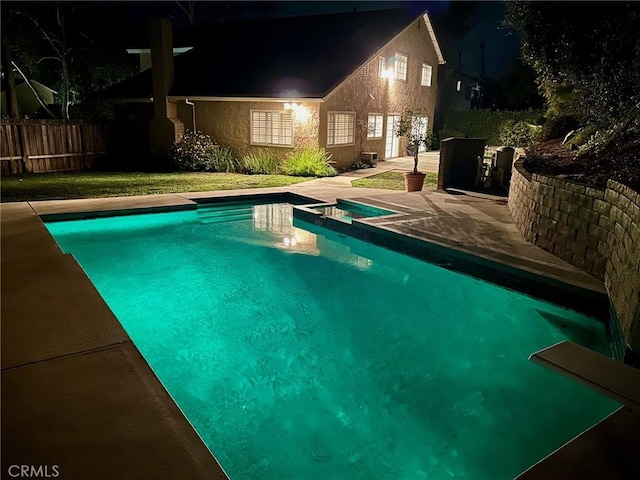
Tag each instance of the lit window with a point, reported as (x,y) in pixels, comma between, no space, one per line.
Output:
(374,129)
(271,128)
(382,67)
(458,86)
(340,128)
(427,71)
(401,67)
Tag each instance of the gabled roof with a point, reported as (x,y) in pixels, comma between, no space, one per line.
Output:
(296,57)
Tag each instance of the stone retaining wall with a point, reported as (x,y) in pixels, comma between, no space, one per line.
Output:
(595,229)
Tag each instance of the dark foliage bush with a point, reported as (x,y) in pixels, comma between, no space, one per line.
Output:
(191,151)
(558,127)
(485,123)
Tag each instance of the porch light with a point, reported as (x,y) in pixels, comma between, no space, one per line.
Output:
(301,113)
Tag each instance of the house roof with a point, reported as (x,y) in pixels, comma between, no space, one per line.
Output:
(20,83)
(295,57)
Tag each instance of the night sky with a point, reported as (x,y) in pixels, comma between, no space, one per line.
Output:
(501,47)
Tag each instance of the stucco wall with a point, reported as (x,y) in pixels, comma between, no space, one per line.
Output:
(370,94)
(595,229)
(229,123)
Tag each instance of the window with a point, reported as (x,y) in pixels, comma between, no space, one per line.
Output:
(458,86)
(340,128)
(427,71)
(401,67)
(271,128)
(382,67)
(375,126)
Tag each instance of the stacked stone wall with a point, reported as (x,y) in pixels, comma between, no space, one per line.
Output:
(594,229)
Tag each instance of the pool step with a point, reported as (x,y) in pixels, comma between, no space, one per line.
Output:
(225,214)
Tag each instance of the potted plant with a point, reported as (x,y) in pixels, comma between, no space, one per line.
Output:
(407,127)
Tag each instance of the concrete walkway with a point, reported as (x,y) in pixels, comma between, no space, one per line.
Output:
(77,394)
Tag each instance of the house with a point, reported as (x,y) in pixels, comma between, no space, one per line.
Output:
(337,81)
(144,55)
(459,91)
(27,100)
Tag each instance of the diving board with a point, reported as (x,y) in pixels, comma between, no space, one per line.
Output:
(614,379)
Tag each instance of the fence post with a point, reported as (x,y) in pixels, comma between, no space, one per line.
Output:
(83,148)
(26,163)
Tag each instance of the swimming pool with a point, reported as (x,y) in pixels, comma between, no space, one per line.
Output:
(303,355)
(347,211)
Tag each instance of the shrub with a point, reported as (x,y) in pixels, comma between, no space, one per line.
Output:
(308,162)
(517,134)
(222,159)
(360,164)
(584,135)
(448,133)
(191,151)
(485,123)
(558,127)
(261,162)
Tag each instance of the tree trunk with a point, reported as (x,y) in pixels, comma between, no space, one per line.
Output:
(65,66)
(12,98)
(65,88)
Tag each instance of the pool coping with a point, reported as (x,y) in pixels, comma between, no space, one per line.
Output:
(500,268)
(179,437)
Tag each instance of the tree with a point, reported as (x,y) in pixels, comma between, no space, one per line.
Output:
(52,28)
(586,58)
(519,86)
(12,98)
(189,9)
(69,47)
(409,127)
(11,31)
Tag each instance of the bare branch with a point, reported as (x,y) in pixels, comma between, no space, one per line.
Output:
(51,39)
(182,7)
(49,58)
(34,91)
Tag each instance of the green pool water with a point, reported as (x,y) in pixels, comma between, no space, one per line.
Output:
(348,211)
(299,355)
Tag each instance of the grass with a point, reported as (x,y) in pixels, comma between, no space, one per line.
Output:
(393,180)
(62,186)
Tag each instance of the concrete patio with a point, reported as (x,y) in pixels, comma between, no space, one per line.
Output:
(77,394)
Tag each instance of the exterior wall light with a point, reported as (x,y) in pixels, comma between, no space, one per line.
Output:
(301,113)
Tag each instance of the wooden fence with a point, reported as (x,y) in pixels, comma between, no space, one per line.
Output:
(39,146)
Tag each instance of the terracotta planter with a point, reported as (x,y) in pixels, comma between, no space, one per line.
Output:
(413,182)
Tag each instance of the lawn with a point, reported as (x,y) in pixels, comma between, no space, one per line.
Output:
(393,180)
(62,186)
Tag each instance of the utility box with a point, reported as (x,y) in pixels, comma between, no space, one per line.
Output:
(459,162)
(503,164)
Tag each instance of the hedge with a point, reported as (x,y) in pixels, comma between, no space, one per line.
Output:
(486,123)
